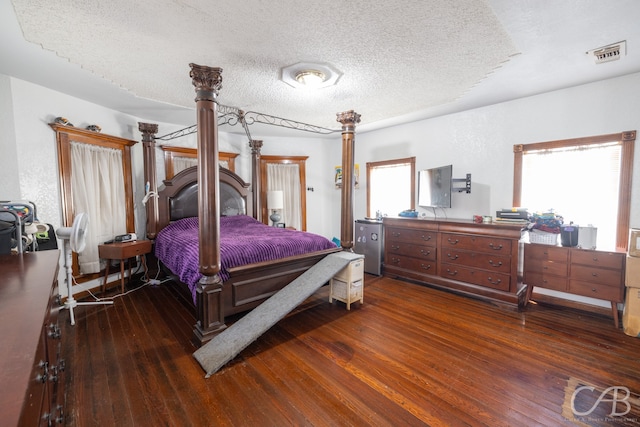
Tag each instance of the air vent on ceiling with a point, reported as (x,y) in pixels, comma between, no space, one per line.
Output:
(609,53)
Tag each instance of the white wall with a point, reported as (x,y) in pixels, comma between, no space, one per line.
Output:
(481,141)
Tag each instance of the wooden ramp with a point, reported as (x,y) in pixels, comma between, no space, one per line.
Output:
(229,343)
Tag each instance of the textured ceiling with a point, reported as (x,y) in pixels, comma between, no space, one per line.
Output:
(444,48)
(401,61)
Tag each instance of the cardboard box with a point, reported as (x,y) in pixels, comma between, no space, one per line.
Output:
(631,313)
(632,272)
(634,242)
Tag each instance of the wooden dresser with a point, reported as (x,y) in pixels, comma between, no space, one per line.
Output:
(589,273)
(32,371)
(476,259)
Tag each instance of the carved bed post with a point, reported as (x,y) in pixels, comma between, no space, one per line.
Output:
(150,175)
(256,145)
(348,120)
(208,81)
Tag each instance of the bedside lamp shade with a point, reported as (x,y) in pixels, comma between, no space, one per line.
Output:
(275,199)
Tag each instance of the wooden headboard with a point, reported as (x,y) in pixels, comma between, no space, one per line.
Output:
(179,197)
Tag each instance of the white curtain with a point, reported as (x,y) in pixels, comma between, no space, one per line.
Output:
(98,190)
(182,163)
(286,177)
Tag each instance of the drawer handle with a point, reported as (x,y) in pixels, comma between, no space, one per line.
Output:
(497,264)
(395,234)
(395,247)
(452,273)
(425,267)
(452,257)
(453,242)
(426,238)
(425,253)
(495,248)
(395,260)
(594,274)
(494,282)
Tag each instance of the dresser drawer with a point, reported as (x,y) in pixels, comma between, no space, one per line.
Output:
(489,279)
(545,280)
(410,235)
(598,259)
(549,267)
(546,253)
(485,261)
(475,243)
(409,263)
(596,275)
(599,291)
(411,249)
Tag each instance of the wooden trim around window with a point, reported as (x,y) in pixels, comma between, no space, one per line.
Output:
(301,162)
(64,136)
(373,165)
(171,152)
(626,140)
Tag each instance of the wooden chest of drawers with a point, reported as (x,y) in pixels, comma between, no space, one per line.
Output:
(32,370)
(589,273)
(478,259)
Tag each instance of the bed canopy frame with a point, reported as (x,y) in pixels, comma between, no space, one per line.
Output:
(208,82)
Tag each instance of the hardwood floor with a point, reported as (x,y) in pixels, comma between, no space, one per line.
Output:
(410,355)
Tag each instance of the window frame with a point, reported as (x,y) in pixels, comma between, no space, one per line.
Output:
(301,161)
(625,139)
(64,136)
(383,163)
(171,152)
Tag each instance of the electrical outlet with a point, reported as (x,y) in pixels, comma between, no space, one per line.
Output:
(154,282)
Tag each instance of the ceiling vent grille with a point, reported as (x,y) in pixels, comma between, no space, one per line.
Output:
(609,53)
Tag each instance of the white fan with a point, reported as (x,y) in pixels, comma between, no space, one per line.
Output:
(74,240)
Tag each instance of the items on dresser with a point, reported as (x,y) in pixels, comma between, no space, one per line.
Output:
(31,366)
(589,273)
(460,255)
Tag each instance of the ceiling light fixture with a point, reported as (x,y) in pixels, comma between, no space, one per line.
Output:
(310,78)
(308,75)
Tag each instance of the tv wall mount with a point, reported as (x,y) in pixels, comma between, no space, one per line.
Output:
(460,189)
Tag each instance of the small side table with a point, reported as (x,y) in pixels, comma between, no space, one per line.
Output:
(348,285)
(123,251)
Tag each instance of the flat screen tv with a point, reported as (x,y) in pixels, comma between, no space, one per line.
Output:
(434,187)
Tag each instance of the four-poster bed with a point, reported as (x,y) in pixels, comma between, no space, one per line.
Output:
(208,192)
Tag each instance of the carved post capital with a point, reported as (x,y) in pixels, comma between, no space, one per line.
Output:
(147,130)
(206,80)
(349,119)
(256,145)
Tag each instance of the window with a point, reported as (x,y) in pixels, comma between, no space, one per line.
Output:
(177,159)
(585,180)
(391,186)
(81,193)
(288,174)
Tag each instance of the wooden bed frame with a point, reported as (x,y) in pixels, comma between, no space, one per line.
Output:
(203,190)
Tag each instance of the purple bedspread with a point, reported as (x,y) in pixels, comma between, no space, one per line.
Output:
(243,240)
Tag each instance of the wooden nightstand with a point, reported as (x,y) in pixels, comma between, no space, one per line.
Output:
(123,251)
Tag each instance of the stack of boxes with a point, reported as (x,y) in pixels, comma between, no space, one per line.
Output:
(631,314)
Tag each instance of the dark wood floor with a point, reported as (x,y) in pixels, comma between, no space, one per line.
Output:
(410,355)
